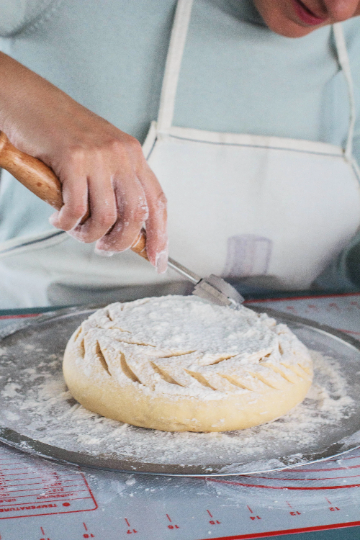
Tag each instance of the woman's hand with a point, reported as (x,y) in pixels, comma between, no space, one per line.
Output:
(102,169)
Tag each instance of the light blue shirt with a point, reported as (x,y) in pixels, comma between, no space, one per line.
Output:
(236,76)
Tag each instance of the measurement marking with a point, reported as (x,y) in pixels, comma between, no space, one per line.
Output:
(41,477)
(15,469)
(213,521)
(292,511)
(63,500)
(30,470)
(50,514)
(60,495)
(37,489)
(10,461)
(254,517)
(172,527)
(87,535)
(46,497)
(18,479)
(131,531)
(7,488)
(48,485)
(331,507)
(13,483)
(42,530)
(31,488)
(42,474)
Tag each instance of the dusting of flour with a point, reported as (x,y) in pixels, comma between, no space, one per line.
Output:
(47,412)
(35,402)
(173,347)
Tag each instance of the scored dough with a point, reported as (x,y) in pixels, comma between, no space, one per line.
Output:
(177,363)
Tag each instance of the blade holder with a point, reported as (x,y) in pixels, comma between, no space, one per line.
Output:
(213,288)
(218,291)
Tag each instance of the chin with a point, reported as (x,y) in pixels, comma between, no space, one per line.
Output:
(289,29)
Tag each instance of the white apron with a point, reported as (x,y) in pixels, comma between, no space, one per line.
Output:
(277,210)
(270,211)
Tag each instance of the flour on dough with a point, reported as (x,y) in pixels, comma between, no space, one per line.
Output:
(177,363)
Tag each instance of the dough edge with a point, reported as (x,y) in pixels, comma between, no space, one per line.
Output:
(134,404)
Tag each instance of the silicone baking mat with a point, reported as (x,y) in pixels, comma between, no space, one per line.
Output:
(44,501)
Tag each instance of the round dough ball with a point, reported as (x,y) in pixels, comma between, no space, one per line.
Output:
(181,364)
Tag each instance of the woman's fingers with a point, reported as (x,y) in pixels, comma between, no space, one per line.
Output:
(113,190)
(75,197)
(132,212)
(156,224)
(74,193)
(140,200)
(102,208)
(88,195)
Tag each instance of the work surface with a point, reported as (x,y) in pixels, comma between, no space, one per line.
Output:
(44,501)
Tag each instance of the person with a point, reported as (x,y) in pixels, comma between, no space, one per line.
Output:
(255,143)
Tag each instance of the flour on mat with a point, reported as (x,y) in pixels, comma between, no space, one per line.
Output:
(43,409)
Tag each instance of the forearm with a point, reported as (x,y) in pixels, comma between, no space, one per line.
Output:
(26,99)
(12,76)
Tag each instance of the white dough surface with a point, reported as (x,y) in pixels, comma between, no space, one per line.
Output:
(178,363)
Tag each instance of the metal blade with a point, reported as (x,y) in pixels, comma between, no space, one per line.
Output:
(213,288)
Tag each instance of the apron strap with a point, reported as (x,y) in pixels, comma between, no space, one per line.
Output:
(345,66)
(173,65)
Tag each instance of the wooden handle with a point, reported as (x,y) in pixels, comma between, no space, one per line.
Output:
(42,181)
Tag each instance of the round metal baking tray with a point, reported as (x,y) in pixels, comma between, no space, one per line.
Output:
(38,416)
